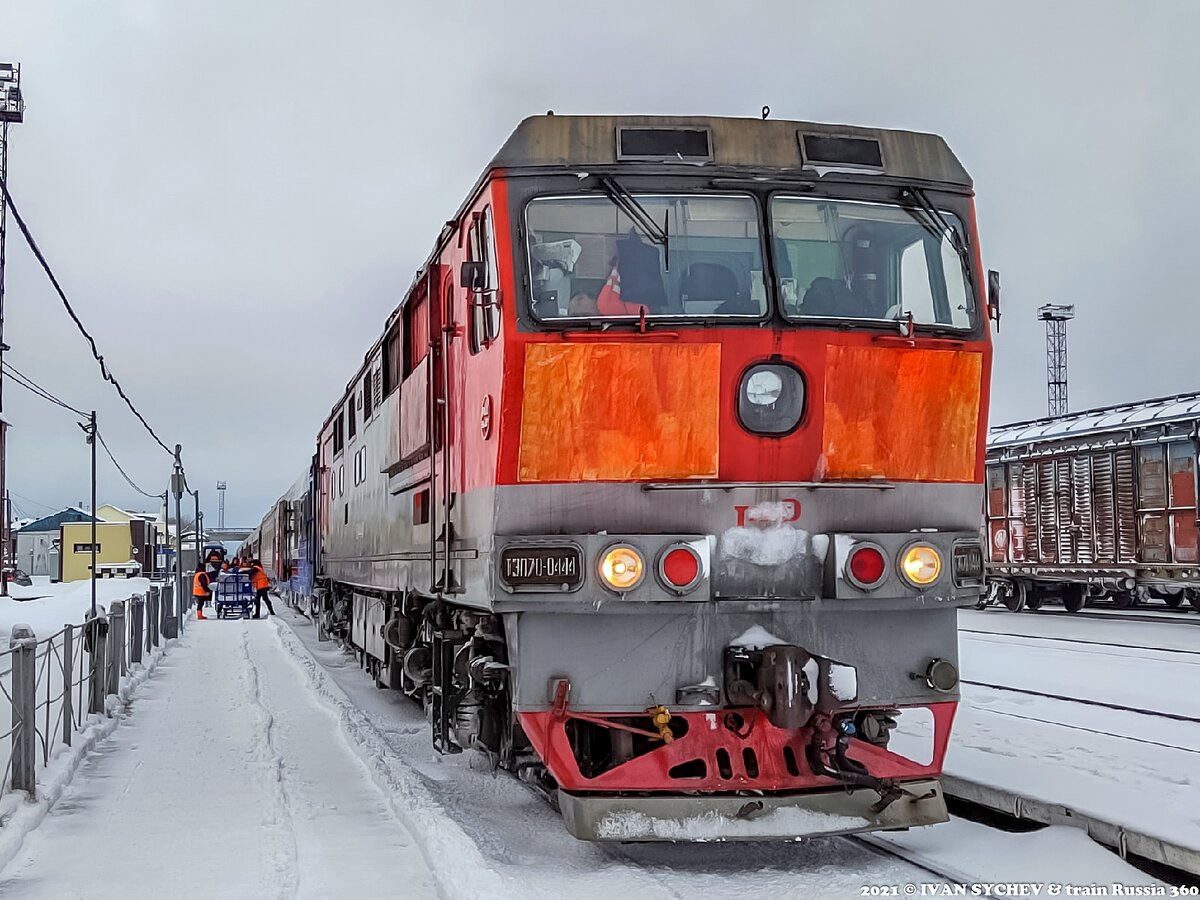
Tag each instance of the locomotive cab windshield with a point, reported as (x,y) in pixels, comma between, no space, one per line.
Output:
(591,258)
(701,256)
(854,260)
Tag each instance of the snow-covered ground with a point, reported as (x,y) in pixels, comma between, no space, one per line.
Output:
(260,762)
(56,605)
(1128,768)
(59,604)
(504,829)
(226,779)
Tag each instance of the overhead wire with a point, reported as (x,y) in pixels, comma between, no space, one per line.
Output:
(104,371)
(128,480)
(45,506)
(34,388)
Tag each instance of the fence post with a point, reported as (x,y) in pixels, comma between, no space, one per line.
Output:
(68,703)
(136,605)
(170,624)
(97,641)
(24,708)
(116,647)
(152,619)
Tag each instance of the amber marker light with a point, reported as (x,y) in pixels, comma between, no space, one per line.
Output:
(622,567)
(921,565)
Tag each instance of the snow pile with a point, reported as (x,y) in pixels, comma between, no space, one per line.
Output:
(63,603)
(771,546)
(630,825)
(843,681)
(756,638)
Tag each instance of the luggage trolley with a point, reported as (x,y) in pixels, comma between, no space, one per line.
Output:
(232,595)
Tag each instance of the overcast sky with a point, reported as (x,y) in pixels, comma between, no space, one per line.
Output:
(235,194)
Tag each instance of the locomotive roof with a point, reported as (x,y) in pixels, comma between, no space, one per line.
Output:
(1104,419)
(771,144)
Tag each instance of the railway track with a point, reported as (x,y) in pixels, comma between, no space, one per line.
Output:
(1182,616)
(1071,640)
(1101,704)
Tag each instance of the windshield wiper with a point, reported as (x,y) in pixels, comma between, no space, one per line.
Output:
(628,204)
(932,220)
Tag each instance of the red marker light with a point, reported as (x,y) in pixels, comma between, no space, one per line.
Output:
(866,566)
(680,569)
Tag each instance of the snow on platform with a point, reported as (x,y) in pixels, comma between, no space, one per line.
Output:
(226,779)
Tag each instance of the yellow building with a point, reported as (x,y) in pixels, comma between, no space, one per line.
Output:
(117,543)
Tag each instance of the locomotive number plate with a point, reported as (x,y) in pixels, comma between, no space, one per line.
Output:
(540,568)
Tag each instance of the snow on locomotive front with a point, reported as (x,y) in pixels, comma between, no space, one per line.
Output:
(713,467)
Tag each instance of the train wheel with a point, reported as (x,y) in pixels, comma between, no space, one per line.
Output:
(1074,597)
(1193,596)
(1015,602)
(1033,601)
(1175,600)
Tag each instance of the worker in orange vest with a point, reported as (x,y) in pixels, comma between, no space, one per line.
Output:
(201,585)
(262,587)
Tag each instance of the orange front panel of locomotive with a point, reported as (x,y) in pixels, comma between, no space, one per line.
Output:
(906,414)
(620,412)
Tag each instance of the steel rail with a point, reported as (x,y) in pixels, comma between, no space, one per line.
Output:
(1071,640)
(1158,714)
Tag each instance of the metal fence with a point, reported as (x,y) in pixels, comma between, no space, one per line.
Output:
(55,685)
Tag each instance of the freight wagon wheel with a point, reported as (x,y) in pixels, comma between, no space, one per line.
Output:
(1176,600)
(1015,601)
(1193,596)
(1033,600)
(1074,597)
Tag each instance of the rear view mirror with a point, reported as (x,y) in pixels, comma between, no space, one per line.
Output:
(473,275)
(993,297)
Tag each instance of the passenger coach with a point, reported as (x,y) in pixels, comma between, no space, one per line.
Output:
(661,486)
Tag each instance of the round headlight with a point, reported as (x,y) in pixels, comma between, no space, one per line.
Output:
(763,387)
(921,565)
(622,568)
(770,398)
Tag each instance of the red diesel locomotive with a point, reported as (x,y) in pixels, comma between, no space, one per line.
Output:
(661,486)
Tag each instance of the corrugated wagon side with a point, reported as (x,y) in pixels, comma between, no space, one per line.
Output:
(1101,503)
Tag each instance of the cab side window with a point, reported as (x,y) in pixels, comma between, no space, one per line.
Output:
(485,305)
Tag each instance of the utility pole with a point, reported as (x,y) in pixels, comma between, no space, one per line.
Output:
(220,505)
(177,490)
(12,111)
(90,430)
(1056,318)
